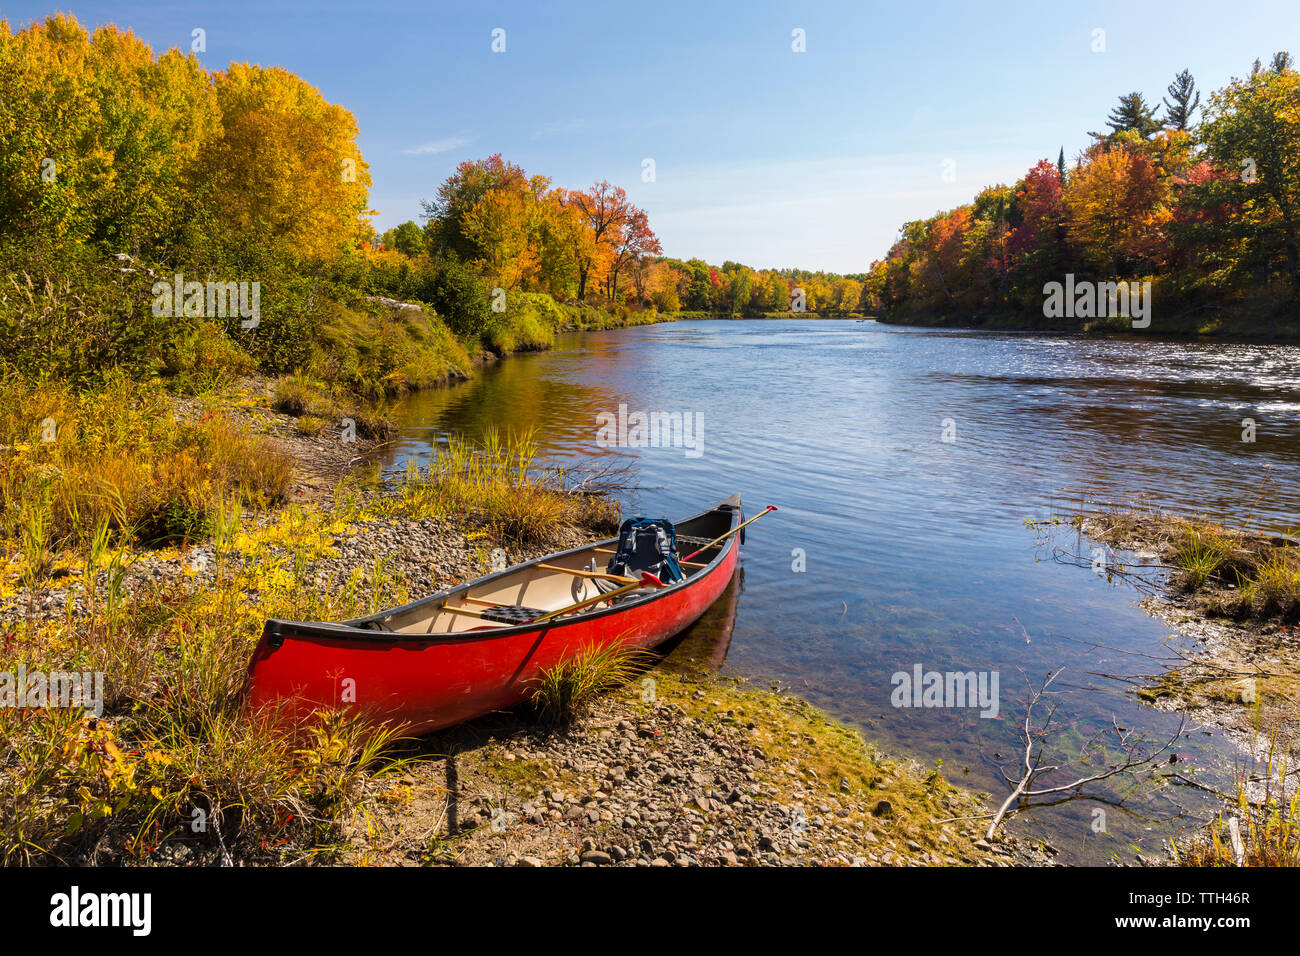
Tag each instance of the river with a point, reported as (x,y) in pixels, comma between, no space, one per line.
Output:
(904,462)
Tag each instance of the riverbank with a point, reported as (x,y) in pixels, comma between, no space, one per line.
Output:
(1247,324)
(1237,594)
(376,348)
(793,316)
(702,771)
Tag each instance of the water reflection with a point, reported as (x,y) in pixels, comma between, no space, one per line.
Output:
(703,646)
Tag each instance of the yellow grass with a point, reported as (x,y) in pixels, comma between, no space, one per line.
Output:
(497,484)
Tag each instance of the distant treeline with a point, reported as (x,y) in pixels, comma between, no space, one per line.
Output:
(521,233)
(735,289)
(1208,212)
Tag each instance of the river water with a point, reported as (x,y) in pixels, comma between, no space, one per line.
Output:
(904,462)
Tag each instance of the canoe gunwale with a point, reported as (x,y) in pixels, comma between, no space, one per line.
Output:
(275,630)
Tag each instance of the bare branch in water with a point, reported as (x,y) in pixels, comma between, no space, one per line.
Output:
(1135,754)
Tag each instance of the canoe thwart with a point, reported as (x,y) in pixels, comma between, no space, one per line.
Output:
(576,572)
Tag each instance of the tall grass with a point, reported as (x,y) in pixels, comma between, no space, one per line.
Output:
(176,759)
(1242,575)
(318,404)
(71,460)
(1273,589)
(1265,832)
(1199,553)
(497,484)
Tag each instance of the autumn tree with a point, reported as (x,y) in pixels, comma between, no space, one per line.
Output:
(993,212)
(561,240)
(1113,208)
(1253,128)
(632,243)
(457,197)
(845,295)
(99,139)
(1037,243)
(940,244)
(663,284)
(1206,215)
(496,231)
(286,169)
(605,210)
(771,292)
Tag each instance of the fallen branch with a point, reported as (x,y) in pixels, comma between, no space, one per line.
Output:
(1023,789)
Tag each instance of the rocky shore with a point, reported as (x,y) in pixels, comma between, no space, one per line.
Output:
(680,771)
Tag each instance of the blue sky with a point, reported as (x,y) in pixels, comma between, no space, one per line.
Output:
(762,155)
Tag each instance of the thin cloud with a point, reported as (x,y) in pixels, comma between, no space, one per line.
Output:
(445,145)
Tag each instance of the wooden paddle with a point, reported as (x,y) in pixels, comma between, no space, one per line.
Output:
(724,537)
(647,580)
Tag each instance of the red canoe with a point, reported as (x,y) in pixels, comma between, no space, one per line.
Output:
(439,661)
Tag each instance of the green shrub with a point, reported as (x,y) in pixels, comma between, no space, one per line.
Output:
(455,290)
(65,314)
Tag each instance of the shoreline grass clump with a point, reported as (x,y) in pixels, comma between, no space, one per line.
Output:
(562,694)
(497,484)
(1236,574)
(1200,554)
(1259,831)
(1226,572)
(316,406)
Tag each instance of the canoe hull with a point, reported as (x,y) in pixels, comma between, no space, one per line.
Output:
(427,683)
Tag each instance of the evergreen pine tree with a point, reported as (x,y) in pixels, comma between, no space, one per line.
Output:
(1132,113)
(1186,99)
(1060,165)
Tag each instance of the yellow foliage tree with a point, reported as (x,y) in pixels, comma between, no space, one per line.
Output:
(102,141)
(97,136)
(287,167)
(1118,204)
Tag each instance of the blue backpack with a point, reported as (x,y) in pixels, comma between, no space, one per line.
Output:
(647,544)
